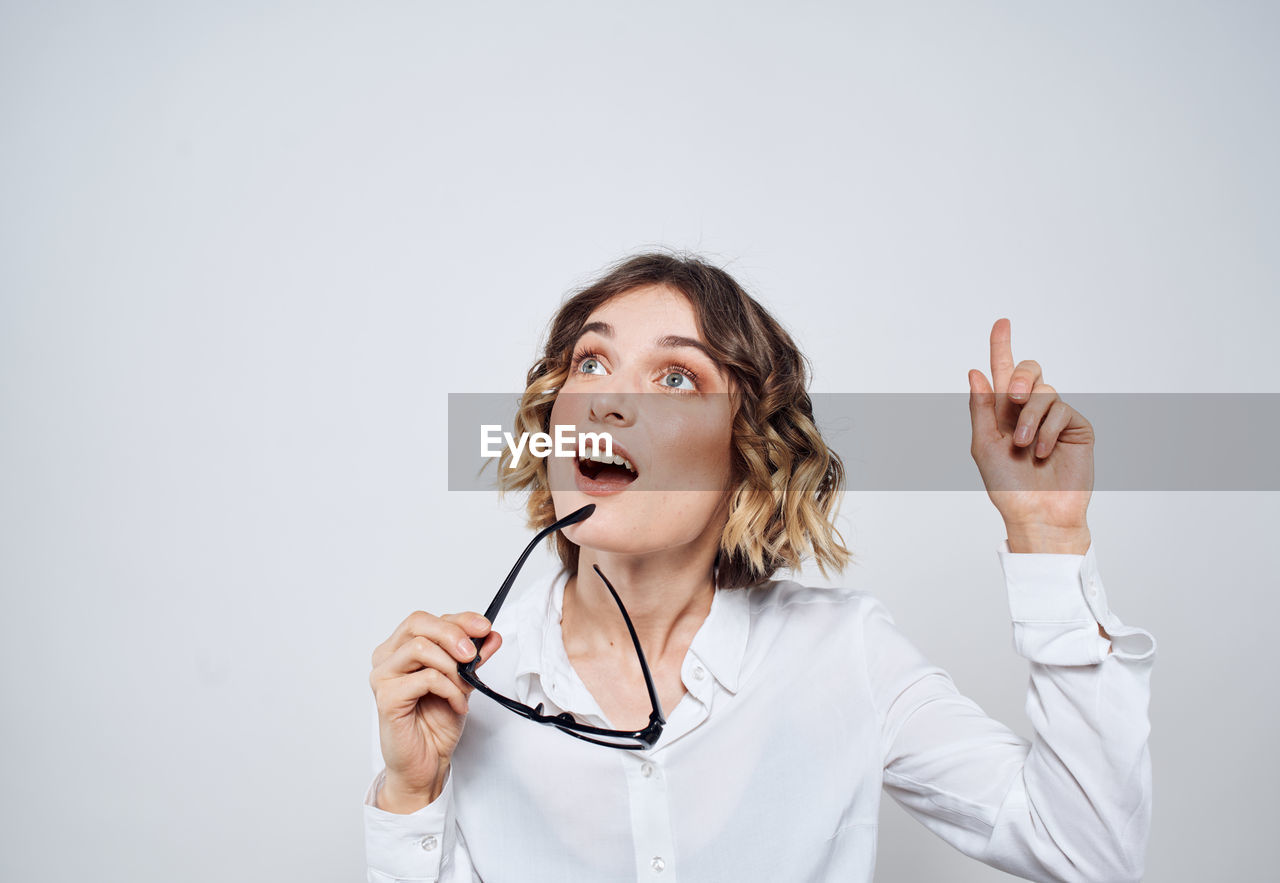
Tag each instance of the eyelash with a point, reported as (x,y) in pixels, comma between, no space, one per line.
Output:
(582,355)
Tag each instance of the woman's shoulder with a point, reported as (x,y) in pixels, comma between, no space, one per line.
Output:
(821,626)
(789,598)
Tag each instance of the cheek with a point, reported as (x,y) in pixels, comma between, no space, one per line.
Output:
(569,409)
(559,470)
(703,449)
(713,439)
(557,409)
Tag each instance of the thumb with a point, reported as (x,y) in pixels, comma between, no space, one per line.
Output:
(982,407)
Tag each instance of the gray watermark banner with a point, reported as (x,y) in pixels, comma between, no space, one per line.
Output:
(887,441)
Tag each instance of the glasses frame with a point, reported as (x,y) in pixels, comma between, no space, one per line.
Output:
(565,722)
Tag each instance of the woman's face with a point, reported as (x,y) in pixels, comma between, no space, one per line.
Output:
(639,373)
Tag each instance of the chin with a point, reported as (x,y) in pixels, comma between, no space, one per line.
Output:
(619,536)
(602,532)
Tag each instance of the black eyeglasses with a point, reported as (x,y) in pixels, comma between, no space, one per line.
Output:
(629,740)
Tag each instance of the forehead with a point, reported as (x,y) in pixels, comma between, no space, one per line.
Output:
(649,310)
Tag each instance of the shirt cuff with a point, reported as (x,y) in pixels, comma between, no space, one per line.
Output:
(404,848)
(1057,603)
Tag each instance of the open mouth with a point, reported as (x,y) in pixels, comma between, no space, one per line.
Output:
(611,472)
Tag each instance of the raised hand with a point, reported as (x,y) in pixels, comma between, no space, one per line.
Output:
(1033,450)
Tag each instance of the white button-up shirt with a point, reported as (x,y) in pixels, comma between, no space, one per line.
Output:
(802,704)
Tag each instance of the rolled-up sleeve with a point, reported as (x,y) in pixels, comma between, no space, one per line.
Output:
(420,846)
(1074,804)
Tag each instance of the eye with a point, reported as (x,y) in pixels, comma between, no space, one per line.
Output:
(588,363)
(679,379)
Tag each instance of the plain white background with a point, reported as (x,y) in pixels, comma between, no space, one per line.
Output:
(248,250)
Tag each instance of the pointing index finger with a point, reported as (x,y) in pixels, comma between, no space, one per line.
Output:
(1001,355)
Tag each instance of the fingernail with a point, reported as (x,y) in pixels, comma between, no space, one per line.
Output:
(466,648)
(1018,390)
(1024,433)
(480,622)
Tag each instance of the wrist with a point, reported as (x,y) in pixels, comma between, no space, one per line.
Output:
(397,797)
(1048,539)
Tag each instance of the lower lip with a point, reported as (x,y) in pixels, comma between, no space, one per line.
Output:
(595,488)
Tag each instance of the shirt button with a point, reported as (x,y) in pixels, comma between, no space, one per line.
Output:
(1093,589)
(429,842)
(699,673)
(646,769)
(657,864)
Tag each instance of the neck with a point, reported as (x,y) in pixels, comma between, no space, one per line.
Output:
(667,594)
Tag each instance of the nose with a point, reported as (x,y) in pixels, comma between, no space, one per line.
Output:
(612,407)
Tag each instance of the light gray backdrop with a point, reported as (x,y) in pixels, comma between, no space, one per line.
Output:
(249,249)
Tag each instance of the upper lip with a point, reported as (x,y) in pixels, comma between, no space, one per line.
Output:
(620,451)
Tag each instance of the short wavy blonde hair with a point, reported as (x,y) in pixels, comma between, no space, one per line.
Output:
(790,483)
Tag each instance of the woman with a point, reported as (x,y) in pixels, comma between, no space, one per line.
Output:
(787,709)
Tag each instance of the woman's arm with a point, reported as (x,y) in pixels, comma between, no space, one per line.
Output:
(421,706)
(1075,803)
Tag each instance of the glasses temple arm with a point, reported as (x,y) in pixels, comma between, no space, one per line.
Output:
(496,604)
(635,639)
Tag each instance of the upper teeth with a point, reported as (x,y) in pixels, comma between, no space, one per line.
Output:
(615,460)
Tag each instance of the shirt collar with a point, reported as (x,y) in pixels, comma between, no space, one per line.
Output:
(719,645)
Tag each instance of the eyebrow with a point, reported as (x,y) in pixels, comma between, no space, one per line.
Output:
(670,341)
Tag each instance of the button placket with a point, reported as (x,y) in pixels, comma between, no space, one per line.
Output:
(650,818)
